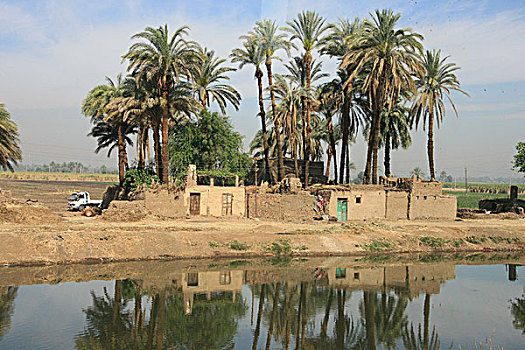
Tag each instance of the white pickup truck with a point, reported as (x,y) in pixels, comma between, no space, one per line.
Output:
(81,200)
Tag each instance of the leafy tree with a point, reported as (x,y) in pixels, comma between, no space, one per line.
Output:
(435,82)
(137,177)
(209,142)
(10,152)
(519,157)
(359,178)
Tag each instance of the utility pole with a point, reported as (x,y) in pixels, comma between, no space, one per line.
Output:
(466,181)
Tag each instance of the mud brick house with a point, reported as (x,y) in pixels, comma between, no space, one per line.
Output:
(394,198)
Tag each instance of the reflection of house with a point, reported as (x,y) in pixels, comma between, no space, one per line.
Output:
(408,280)
(209,285)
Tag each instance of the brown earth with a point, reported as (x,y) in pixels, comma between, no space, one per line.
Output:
(75,239)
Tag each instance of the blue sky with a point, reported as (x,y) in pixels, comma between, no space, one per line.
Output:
(53,52)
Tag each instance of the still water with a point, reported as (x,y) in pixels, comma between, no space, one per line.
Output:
(332,303)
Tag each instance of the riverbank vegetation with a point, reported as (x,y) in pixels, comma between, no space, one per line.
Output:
(386,84)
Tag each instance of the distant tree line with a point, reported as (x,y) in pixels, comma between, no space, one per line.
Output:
(67,167)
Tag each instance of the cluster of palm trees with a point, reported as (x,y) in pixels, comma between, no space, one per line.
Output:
(385,85)
(10,152)
(170,80)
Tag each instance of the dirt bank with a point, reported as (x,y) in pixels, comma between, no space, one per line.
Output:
(79,239)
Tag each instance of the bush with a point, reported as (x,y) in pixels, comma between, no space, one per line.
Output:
(136,177)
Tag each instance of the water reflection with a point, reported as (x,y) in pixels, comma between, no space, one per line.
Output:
(7,307)
(328,303)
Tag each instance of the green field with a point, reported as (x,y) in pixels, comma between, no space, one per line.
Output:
(45,176)
(471,199)
(475,186)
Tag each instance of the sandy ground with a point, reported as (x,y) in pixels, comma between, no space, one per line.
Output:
(71,238)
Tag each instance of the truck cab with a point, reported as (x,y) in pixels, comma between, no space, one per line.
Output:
(81,200)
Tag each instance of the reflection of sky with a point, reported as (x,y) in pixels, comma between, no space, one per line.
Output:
(471,307)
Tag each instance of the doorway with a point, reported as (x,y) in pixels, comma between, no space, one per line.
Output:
(195,203)
(227,200)
(342,209)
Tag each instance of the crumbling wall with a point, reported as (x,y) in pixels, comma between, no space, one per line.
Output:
(396,205)
(441,207)
(427,188)
(165,204)
(282,207)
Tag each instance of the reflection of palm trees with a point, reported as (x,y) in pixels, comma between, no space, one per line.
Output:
(517,308)
(7,307)
(384,319)
(413,341)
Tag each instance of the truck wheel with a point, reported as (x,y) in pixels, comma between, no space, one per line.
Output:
(81,208)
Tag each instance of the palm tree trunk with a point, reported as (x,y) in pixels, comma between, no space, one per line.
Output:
(307,60)
(262,114)
(160,326)
(387,154)
(328,164)
(340,322)
(332,148)
(165,156)
(347,164)
(140,148)
(430,145)
(344,124)
(152,321)
(277,124)
(303,132)
(157,147)
(294,140)
(121,154)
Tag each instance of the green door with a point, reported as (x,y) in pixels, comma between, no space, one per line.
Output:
(342,207)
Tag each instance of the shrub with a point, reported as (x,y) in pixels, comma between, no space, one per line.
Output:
(239,246)
(136,177)
(378,246)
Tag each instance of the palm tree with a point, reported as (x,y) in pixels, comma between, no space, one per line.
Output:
(336,46)
(252,54)
(418,172)
(207,76)
(386,58)
(107,135)
(7,307)
(437,80)
(289,105)
(165,59)
(308,28)
(10,152)
(271,41)
(96,106)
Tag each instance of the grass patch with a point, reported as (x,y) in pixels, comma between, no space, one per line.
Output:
(282,247)
(238,263)
(432,242)
(235,245)
(471,199)
(457,242)
(475,239)
(378,246)
(213,244)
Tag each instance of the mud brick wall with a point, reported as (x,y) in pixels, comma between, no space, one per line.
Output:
(396,205)
(364,202)
(432,207)
(211,199)
(427,188)
(290,207)
(165,204)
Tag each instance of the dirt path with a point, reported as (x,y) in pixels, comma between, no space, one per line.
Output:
(79,239)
